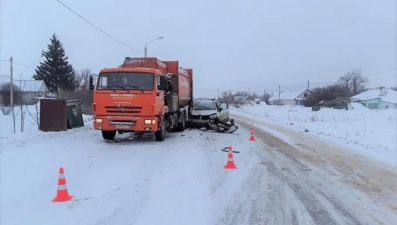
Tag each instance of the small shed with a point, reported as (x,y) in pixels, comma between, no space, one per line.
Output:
(60,115)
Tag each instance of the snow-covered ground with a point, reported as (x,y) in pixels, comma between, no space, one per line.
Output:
(370,133)
(182,180)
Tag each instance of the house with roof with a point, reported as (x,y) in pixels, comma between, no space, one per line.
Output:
(378,98)
(30,90)
(244,100)
(295,97)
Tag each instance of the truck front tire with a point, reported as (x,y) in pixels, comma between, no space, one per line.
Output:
(108,134)
(160,135)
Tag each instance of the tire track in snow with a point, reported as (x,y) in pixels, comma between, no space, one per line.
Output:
(319,191)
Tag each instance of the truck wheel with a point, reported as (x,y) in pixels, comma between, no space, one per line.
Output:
(108,134)
(182,125)
(160,135)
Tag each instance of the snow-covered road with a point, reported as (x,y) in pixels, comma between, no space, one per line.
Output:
(182,180)
(305,181)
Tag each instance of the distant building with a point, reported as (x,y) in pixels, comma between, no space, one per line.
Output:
(244,100)
(296,97)
(379,98)
(30,90)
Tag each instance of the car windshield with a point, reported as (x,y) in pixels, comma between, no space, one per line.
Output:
(137,81)
(204,106)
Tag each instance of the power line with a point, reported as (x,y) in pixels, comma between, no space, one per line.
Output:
(24,65)
(99,28)
(381,72)
(323,83)
(377,78)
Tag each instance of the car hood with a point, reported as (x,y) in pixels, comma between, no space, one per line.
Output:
(203,112)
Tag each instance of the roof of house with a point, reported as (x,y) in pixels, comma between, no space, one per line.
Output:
(239,98)
(27,85)
(31,85)
(389,96)
(250,97)
(288,95)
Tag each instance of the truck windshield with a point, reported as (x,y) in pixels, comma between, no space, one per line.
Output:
(204,106)
(126,81)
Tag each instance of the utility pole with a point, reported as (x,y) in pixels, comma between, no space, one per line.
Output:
(308,85)
(20,103)
(218,94)
(279,92)
(12,94)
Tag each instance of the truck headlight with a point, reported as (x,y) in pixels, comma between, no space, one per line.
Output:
(98,120)
(150,121)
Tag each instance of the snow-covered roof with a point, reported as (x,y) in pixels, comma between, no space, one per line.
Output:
(239,98)
(31,85)
(390,95)
(26,85)
(288,94)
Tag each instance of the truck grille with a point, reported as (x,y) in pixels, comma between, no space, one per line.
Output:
(123,109)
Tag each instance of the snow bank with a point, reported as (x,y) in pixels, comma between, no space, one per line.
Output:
(368,132)
(30,124)
(128,181)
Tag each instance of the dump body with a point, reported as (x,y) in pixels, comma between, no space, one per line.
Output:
(131,98)
(181,81)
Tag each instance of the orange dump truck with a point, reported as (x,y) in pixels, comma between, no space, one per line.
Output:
(143,95)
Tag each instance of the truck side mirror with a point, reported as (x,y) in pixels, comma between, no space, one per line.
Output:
(161,84)
(91,83)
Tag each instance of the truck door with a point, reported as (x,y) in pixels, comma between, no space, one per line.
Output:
(224,114)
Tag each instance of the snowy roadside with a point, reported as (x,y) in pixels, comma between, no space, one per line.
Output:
(179,181)
(365,132)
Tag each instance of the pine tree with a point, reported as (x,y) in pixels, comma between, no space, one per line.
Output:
(56,71)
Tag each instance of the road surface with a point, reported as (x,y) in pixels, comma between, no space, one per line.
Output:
(306,181)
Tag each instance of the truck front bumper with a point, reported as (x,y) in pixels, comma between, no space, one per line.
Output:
(126,123)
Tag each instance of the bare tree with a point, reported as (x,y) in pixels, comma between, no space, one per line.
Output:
(266,97)
(35,115)
(5,93)
(352,82)
(330,94)
(242,93)
(83,79)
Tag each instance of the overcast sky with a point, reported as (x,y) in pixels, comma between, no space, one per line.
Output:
(231,45)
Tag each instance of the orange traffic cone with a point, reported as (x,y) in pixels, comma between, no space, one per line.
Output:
(252,138)
(230,162)
(62,192)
